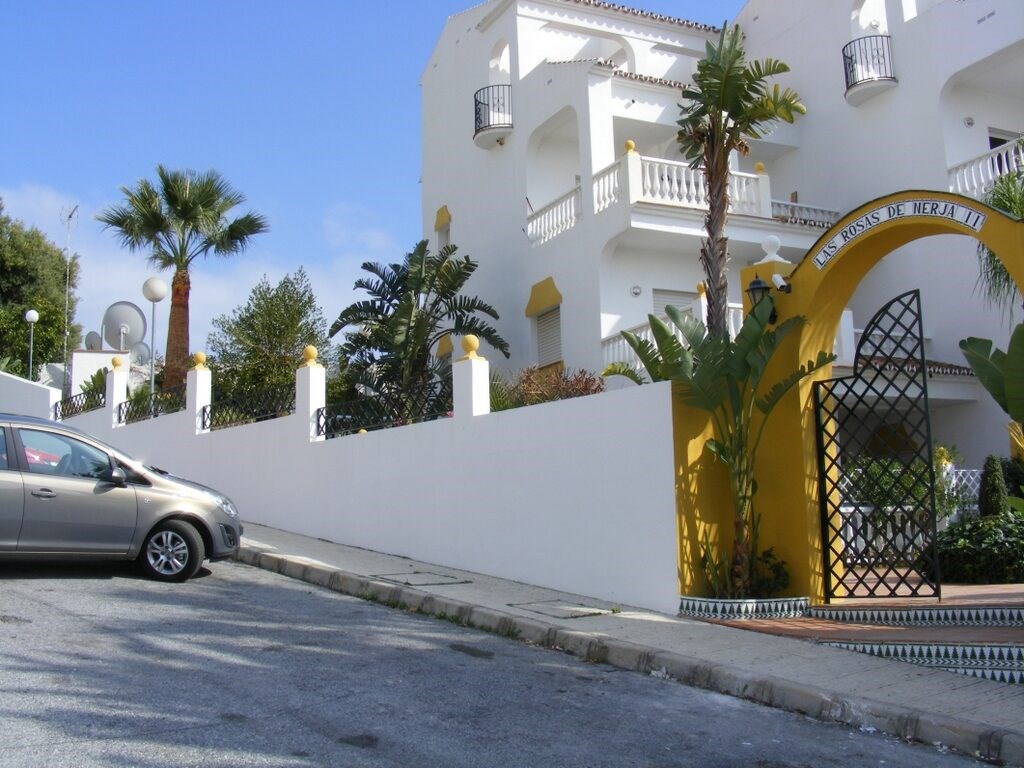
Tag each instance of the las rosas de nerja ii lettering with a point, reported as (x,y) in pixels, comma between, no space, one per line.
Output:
(964,215)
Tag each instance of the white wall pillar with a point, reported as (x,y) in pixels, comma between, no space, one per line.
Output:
(634,180)
(310,392)
(471,382)
(198,390)
(117,390)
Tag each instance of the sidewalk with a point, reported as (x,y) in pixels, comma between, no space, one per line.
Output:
(973,715)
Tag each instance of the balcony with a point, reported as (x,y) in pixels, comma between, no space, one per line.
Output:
(492,107)
(669,184)
(975,177)
(614,348)
(867,62)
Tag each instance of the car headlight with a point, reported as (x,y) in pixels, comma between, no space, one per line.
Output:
(225,504)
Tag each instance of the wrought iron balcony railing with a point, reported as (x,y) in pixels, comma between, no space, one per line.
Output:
(385,410)
(867,59)
(73,406)
(256,406)
(493,108)
(159,403)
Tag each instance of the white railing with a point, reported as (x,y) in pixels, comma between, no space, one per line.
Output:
(606,187)
(975,177)
(614,348)
(676,183)
(554,218)
(807,215)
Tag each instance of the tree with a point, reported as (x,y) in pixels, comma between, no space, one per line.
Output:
(182,218)
(33,272)
(412,306)
(259,345)
(723,377)
(729,102)
(995,283)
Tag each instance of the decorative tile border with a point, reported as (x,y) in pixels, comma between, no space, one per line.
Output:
(964,617)
(1002,663)
(776,608)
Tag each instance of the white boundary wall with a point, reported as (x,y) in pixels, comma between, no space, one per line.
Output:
(576,495)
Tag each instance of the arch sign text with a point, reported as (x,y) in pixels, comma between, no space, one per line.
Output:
(962,214)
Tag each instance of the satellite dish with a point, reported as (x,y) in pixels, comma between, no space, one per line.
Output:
(139,354)
(93,341)
(124,325)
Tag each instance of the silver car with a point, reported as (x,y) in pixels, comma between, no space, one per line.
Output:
(64,494)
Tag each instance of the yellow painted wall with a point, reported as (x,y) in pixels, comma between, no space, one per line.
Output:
(786,470)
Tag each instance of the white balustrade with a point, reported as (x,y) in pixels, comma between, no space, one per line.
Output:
(554,218)
(807,215)
(606,187)
(675,183)
(614,348)
(975,177)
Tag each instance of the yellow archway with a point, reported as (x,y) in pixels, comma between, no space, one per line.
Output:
(822,285)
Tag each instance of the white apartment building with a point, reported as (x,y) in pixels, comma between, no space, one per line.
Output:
(529,107)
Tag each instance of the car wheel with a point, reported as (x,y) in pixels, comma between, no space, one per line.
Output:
(173,551)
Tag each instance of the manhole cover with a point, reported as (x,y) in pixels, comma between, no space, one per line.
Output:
(421,578)
(562,609)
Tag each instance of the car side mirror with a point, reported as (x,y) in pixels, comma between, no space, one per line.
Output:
(115,476)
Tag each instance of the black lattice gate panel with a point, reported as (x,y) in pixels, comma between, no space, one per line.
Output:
(876,482)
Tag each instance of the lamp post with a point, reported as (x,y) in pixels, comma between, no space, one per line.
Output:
(31,317)
(154,289)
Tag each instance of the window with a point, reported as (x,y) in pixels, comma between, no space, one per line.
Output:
(47,453)
(549,337)
(682,300)
(3,449)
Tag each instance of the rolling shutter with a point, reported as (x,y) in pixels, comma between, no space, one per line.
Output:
(549,337)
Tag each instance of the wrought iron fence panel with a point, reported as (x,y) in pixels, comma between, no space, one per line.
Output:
(261,405)
(384,410)
(159,403)
(81,403)
(876,479)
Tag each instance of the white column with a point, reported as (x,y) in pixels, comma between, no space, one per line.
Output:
(310,393)
(117,390)
(198,390)
(634,175)
(471,382)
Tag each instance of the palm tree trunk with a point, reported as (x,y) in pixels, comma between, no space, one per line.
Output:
(714,252)
(176,364)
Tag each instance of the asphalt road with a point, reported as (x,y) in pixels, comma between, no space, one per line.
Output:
(242,667)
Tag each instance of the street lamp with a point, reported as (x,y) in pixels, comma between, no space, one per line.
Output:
(31,317)
(154,289)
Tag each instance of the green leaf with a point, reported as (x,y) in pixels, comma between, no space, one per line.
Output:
(986,366)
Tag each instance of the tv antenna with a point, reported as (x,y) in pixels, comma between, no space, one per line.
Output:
(67,294)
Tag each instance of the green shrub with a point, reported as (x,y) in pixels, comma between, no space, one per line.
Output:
(536,385)
(992,494)
(983,550)
(1013,474)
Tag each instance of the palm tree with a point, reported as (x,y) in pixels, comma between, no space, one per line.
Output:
(412,306)
(178,220)
(995,283)
(729,102)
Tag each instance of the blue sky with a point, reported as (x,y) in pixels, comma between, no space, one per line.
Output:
(310,108)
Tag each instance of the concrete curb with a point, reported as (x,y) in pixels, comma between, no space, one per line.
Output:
(966,736)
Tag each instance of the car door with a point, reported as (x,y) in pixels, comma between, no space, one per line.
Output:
(12,494)
(68,506)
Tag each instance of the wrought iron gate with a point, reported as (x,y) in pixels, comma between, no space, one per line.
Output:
(875,475)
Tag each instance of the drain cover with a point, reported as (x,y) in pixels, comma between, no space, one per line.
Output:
(421,579)
(562,609)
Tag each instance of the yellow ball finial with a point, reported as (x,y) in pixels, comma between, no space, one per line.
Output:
(116,362)
(758,167)
(362,432)
(470,344)
(630,145)
(199,361)
(701,288)
(309,354)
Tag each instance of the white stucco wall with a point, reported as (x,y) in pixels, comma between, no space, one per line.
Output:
(576,495)
(20,396)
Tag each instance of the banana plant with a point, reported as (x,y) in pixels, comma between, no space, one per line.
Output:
(1002,375)
(725,378)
